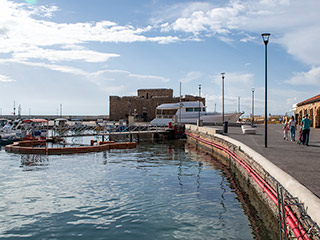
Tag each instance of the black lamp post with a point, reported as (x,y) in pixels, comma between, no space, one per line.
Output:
(199,105)
(265,38)
(222,75)
(252,105)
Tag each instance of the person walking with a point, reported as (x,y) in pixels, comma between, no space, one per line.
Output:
(285,130)
(292,127)
(305,129)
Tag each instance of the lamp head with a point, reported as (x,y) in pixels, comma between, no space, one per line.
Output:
(222,74)
(252,89)
(265,37)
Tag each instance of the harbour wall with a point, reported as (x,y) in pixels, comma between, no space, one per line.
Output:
(267,172)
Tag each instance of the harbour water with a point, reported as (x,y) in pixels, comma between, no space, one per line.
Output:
(156,191)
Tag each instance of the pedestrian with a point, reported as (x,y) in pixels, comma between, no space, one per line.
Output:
(285,130)
(305,129)
(292,127)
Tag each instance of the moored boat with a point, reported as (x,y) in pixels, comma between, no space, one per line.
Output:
(10,131)
(189,112)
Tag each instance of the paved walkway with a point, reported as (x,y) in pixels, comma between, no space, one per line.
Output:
(301,162)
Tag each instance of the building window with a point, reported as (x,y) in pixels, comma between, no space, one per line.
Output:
(197,109)
(189,109)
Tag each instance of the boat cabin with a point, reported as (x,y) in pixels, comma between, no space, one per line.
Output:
(169,110)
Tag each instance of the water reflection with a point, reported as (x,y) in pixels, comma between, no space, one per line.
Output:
(157,191)
(30,162)
(224,209)
(105,157)
(263,227)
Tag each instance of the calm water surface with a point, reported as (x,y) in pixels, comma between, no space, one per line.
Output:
(157,191)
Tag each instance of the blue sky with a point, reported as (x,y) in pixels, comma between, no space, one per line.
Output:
(77,53)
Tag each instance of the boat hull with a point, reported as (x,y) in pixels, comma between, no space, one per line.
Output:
(206,119)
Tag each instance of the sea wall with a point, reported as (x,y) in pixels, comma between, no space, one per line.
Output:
(224,147)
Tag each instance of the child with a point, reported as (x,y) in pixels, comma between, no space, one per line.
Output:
(285,131)
(300,136)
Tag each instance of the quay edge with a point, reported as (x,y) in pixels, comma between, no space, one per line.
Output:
(267,170)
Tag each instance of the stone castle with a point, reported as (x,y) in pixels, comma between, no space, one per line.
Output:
(144,105)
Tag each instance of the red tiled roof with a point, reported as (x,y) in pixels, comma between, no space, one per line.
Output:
(310,100)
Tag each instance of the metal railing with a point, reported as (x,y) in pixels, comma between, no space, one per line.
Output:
(72,131)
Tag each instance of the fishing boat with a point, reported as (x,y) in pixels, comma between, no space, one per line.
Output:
(35,129)
(189,113)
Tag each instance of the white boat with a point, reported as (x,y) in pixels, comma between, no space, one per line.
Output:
(9,131)
(188,112)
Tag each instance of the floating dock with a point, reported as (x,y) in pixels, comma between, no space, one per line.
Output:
(39,147)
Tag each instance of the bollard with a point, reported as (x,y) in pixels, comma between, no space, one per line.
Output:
(225,127)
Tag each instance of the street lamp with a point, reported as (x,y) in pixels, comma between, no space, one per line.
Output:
(60,110)
(180,106)
(265,38)
(199,105)
(222,75)
(252,122)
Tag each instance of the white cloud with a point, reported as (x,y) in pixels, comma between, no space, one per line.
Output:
(293,23)
(248,38)
(174,11)
(114,78)
(149,77)
(217,20)
(27,37)
(303,43)
(5,79)
(235,79)
(53,67)
(63,55)
(103,77)
(311,77)
(191,76)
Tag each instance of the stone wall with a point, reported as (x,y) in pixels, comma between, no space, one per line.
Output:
(144,105)
(151,93)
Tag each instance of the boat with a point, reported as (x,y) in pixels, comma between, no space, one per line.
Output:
(10,131)
(35,129)
(8,138)
(189,113)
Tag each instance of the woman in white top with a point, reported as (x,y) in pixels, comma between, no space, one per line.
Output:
(292,127)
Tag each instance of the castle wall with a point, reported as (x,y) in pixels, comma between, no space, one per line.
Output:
(144,105)
(151,93)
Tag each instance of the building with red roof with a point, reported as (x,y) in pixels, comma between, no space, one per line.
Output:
(311,107)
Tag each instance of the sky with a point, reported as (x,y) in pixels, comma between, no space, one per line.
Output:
(76,53)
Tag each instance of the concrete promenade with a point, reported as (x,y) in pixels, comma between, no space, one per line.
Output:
(299,161)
